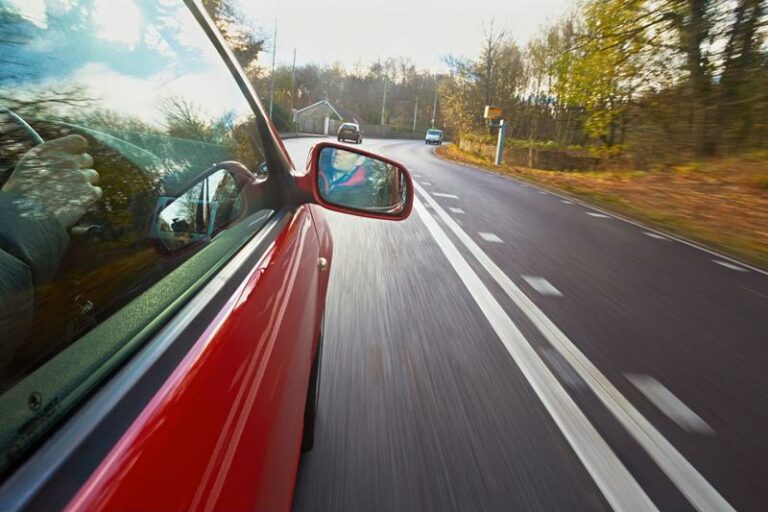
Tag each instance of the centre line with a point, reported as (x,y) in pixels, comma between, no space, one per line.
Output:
(699,492)
(620,489)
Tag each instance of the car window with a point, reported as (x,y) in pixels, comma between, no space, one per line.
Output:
(129,167)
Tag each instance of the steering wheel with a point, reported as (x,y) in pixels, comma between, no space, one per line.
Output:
(28,130)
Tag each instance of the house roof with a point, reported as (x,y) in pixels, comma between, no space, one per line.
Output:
(342,113)
(319,104)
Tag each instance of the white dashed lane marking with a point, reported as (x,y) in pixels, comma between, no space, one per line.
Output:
(543,193)
(542,286)
(621,490)
(655,235)
(565,202)
(455,210)
(701,494)
(490,237)
(730,266)
(598,215)
(449,196)
(669,404)
(426,183)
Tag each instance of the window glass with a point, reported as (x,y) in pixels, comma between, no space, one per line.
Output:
(130,169)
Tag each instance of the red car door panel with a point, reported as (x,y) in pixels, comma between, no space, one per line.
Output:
(224,430)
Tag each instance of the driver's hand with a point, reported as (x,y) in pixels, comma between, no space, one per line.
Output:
(58,176)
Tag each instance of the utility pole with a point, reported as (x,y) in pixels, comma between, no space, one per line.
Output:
(415,113)
(293,87)
(384,101)
(272,75)
(434,109)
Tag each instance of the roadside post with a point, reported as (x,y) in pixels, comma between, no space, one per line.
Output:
(491,114)
(500,144)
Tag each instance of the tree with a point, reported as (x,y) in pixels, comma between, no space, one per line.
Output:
(238,32)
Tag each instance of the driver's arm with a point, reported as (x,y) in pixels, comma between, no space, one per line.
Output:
(30,250)
(50,189)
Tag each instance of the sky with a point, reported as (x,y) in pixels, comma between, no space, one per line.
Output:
(329,31)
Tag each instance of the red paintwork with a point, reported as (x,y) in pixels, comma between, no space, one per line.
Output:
(224,431)
(308,183)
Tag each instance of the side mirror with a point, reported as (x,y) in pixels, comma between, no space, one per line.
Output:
(200,212)
(352,180)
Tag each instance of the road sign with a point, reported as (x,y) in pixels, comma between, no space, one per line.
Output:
(491,112)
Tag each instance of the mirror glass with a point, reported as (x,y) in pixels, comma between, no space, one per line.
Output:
(352,180)
(199,214)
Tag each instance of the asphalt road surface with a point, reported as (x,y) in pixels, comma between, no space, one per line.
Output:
(506,348)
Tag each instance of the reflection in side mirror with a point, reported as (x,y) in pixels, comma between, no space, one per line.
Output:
(195,217)
(353,180)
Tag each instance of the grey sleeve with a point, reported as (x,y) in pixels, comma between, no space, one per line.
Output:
(16,305)
(31,247)
(37,241)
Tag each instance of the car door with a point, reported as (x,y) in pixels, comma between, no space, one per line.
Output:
(223,430)
(166,361)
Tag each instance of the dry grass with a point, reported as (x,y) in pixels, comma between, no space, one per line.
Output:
(721,203)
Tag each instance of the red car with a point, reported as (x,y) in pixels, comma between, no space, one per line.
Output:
(163,265)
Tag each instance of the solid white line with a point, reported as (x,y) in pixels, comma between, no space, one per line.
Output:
(670,405)
(598,215)
(440,194)
(490,237)
(690,482)
(455,210)
(618,486)
(730,265)
(655,235)
(542,286)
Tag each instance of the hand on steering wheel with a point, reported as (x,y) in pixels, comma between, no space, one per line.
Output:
(58,176)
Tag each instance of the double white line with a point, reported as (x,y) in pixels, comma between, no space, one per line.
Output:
(618,486)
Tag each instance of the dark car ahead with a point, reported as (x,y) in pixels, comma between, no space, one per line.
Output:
(350,131)
(163,265)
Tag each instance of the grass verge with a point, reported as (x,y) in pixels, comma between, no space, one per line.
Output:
(720,203)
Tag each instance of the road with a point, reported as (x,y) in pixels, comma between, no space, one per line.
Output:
(506,348)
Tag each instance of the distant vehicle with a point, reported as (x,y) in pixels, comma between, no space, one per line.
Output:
(350,131)
(434,137)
